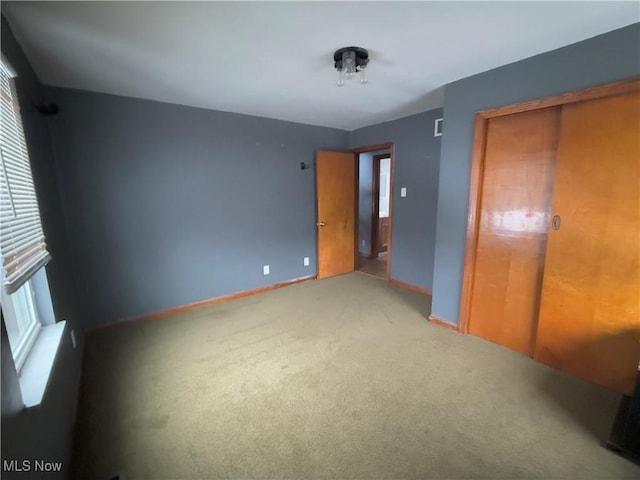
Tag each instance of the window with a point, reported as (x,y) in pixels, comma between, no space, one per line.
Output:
(21,319)
(22,244)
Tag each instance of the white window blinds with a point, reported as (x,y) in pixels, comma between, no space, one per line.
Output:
(22,242)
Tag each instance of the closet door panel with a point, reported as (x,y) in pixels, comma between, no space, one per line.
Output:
(589,321)
(516,193)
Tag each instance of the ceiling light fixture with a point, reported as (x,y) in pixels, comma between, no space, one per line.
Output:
(349,62)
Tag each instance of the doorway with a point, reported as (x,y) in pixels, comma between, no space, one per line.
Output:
(340,214)
(374,211)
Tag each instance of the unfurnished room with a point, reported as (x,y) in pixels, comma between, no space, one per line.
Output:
(320,240)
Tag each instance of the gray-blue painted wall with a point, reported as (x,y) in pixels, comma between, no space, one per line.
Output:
(170,205)
(413,218)
(43,432)
(599,60)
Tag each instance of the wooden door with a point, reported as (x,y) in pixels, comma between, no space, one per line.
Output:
(517,188)
(589,320)
(336,184)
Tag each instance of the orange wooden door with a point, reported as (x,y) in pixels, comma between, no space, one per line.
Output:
(517,189)
(336,183)
(589,320)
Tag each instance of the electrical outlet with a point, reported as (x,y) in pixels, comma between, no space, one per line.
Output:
(403,192)
(265,270)
(362,243)
(73,339)
(305,261)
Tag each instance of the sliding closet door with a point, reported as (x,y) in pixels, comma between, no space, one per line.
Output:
(516,191)
(589,320)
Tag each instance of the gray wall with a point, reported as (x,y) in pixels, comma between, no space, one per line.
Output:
(365,202)
(43,432)
(413,218)
(170,205)
(599,60)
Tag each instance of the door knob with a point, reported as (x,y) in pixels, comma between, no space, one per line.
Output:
(320,224)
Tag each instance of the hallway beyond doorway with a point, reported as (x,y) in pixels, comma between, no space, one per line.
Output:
(374,266)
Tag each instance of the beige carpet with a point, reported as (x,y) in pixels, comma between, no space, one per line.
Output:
(338,378)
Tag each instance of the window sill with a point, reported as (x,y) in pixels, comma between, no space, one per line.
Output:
(37,369)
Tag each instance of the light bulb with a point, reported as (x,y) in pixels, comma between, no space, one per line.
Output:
(349,64)
(340,81)
(363,77)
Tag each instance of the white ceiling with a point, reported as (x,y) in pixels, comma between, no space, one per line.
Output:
(274,59)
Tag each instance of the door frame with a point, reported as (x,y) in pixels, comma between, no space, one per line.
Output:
(477,170)
(372,148)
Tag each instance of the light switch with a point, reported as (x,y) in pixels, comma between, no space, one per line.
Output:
(403,192)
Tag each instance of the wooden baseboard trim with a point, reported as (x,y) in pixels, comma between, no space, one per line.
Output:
(409,286)
(209,302)
(443,323)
